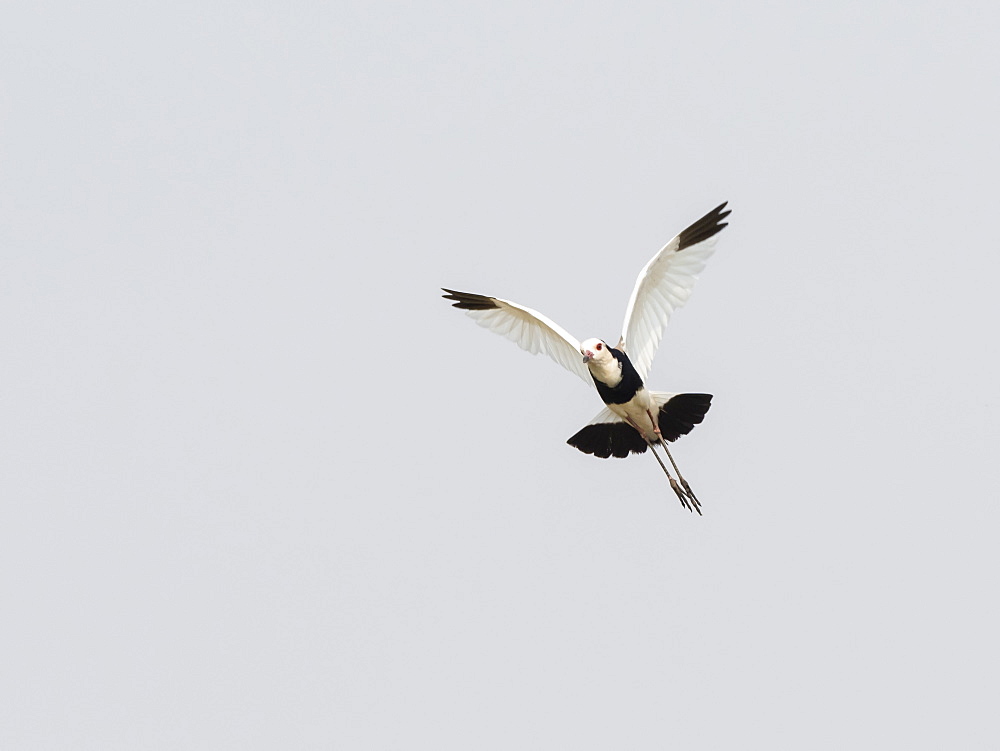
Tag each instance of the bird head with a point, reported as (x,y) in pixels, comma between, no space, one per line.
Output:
(595,350)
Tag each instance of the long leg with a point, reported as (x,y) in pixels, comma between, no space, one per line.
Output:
(687,499)
(681,496)
(687,488)
(681,477)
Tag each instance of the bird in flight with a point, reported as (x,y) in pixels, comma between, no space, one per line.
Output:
(634,418)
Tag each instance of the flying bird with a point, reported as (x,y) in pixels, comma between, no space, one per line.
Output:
(634,418)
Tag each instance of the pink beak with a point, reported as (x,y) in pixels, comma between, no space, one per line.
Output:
(587,355)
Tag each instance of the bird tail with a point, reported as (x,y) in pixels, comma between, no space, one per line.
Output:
(608,435)
(679,413)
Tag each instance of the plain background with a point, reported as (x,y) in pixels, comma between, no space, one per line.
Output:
(262,488)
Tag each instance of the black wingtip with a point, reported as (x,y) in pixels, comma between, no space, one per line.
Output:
(469,301)
(706,227)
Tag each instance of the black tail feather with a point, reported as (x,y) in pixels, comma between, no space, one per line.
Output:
(619,439)
(679,416)
(606,439)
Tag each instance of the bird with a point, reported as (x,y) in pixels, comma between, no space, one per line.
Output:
(634,418)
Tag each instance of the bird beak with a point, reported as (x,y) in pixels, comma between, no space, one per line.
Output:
(587,356)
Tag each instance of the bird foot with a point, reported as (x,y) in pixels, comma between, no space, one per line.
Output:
(690,494)
(685,496)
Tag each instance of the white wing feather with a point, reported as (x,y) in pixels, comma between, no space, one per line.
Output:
(665,284)
(527,328)
(605,415)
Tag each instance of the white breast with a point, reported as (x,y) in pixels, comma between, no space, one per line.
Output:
(607,371)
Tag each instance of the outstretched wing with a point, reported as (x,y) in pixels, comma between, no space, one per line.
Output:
(525,327)
(664,285)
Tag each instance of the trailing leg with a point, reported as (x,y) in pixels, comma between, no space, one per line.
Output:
(681,495)
(689,494)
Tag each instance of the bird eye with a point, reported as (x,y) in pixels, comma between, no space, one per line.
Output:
(598,347)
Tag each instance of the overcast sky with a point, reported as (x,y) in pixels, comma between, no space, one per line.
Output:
(262,488)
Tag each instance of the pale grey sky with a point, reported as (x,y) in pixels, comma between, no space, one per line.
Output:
(262,488)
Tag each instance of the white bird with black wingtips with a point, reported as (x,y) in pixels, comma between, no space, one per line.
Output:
(634,418)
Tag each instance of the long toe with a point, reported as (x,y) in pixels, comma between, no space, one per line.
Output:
(690,494)
(688,490)
(680,494)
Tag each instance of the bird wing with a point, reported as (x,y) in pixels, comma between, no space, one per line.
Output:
(527,328)
(605,415)
(664,284)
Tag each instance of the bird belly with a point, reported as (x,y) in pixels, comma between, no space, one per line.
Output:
(637,410)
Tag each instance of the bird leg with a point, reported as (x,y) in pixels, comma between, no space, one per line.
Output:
(687,488)
(681,496)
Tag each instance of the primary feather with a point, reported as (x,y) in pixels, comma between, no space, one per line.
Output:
(665,284)
(527,328)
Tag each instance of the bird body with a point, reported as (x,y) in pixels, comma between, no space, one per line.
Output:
(634,418)
(619,385)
